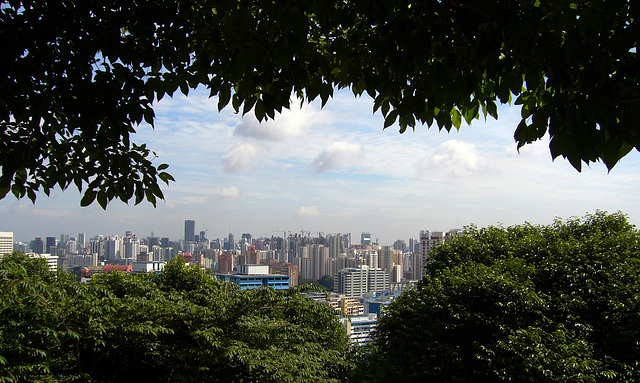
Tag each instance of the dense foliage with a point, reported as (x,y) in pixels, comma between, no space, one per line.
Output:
(527,303)
(79,77)
(179,326)
(326,282)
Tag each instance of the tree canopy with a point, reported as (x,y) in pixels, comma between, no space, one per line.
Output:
(79,77)
(179,326)
(525,303)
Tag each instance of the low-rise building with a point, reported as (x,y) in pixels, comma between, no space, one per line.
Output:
(360,328)
(255,276)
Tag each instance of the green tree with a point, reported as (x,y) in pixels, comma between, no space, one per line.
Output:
(179,326)
(309,281)
(525,303)
(78,78)
(326,281)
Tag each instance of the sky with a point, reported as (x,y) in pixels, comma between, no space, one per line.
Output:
(335,170)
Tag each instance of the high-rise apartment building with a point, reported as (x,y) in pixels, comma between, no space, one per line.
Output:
(346,242)
(418,260)
(385,258)
(97,246)
(429,240)
(6,242)
(81,242)
(357,281)
(334,245)
(400,244)
(131,247)
(113,248)
(189,230)
(71,247)
(414,245)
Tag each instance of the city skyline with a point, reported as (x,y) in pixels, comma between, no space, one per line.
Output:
(334,170)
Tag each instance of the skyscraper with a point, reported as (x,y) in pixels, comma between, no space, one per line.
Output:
(81,242)
(385,259)
(37,246)
(365,238)
(231,242)
(189,230)
(51,242)
(334,245)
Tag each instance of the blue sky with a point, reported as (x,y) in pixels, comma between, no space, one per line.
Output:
(335,170)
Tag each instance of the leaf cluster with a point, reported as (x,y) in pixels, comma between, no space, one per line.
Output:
(181,325)
(78,79)
(525,303)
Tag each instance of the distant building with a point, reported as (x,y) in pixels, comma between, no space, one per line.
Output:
(351,306)
(346,305)
(365,238)
(256,276)
(428,241)
(113,248)
(357,281)
(75,259)
(283,268)
(81,241)
(189,230)
(147,267)
(250,256)
(6,242)
(37,246)
(123,268)
(225,263)
(360,328)
(53,261)
(400,244)
(386,258)
(51,242)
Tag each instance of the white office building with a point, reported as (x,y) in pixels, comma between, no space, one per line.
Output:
(6,242)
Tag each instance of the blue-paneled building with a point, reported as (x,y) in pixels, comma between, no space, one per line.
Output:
(256,276)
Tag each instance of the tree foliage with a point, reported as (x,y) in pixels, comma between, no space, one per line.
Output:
(179,326)
(78,78)
(326,281)
(525,303)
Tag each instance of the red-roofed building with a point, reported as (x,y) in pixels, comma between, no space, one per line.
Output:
(123,268)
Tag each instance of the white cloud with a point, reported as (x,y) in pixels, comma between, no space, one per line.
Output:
(336,155)
(455,157)
(308,211)
(288,124)
(537,148)
(231,192)
(244,156)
